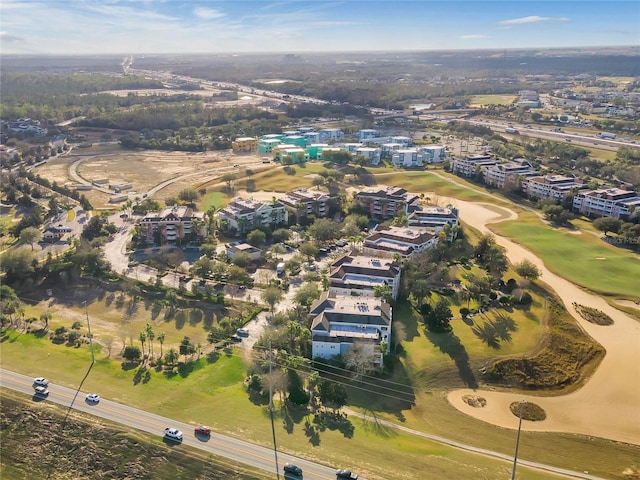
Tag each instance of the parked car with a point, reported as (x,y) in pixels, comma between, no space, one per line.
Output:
(202,430)
(173,434)
(93,398)
(41,381)
(41,391)
(346,474)
(292,469)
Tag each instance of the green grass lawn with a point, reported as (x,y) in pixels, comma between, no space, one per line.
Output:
(213,393)
(583,259)
(492,99)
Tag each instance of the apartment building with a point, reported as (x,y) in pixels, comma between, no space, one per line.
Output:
(242,215)
(386,242)
(358,272)
(507,174)
(331,135)
(557,187)
(607,202)
(433,153)
(307,202)
(367,133)
(435,219)
(384,203)
(339,323)
(173,224)
(407,158)
(244,144)
(469,165)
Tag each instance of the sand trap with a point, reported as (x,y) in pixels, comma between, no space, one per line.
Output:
(601,258)
(608,405)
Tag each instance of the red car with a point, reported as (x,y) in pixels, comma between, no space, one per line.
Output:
(202,430)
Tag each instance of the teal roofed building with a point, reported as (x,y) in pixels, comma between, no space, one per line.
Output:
(266,146)
(297,140)
(297,154)
(315,149)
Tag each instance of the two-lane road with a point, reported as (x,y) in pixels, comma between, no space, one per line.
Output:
(238,450)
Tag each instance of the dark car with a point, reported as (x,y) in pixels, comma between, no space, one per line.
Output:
(202,430)
(293,469)
(346,474)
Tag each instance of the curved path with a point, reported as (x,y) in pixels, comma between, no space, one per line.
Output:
(608,405)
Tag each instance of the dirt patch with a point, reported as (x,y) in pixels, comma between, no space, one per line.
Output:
(474,401)
(601,258)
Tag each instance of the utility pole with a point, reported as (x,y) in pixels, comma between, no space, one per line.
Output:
(93,359)
(273,428)
(515,456)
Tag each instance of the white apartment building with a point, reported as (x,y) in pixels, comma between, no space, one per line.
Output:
(341,322)
(435,219)
(433,153)
(557,187)
(331,134)
(370,153)
(242,215)
(607,202)
(367,133)
(307,202)
(385,242)
(407,158)
(384,203)
(358,272)
(507,173)
(469,165)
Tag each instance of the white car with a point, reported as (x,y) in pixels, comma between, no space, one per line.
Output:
(173,434)
(41,391)
(40,381)
(93,398)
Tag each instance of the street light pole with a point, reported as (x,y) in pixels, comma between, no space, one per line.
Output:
(273,428)
(515,456)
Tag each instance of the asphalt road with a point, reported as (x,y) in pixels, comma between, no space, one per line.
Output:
(238,450)
(229,447)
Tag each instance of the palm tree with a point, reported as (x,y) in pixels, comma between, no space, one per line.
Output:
(161,337)
(143,338)
(150,336)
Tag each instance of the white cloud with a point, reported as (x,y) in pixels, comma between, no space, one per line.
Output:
(473,37)
(533,19)
(9,38)
(207,13)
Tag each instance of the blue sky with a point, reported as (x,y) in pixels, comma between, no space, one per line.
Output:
(182,26)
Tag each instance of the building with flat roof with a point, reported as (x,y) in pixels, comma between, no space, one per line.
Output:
(470,165)
(244,144)
(359,272)
(407,158)
(340,323)
(404,241)
(433,153)
(367,133)
(241,247)
(435,219)
(557,187)
(508,174)
(607,202)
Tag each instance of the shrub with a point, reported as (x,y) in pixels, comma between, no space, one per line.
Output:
(526,299)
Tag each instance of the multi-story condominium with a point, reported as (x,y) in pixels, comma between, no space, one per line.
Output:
(307,202)
(364,273)
(242,215)
(245,144)
(507,174)
(173,224)
(297,140)
(315,150)
(331,134)
(435,219)
(557,187)
(433,153)
(267,145)
(384,203)
(326,153)
(406,141)
(311,137)
(350,147)
(387,241)
(339,323)
(296,154)
(367,133)
(607,202)
(469,165)
(407,158)
(370,153)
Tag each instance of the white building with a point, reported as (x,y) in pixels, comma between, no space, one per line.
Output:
(607,202)
(340,323)
(433,153)
(240,247)
(508,173)
(173,223)
(242,215)
(307,202)
(331,134)
(557,187)
(387,241)
(357,272)
(367,133)
(435,219)
(407,158)
(469,165)
(370,153)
